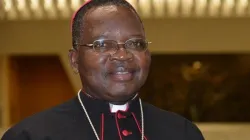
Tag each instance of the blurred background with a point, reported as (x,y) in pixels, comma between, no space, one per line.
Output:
(200,60)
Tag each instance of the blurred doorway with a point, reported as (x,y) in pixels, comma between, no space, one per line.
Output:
(36,83)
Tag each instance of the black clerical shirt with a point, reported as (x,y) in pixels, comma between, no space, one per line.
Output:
(69,122)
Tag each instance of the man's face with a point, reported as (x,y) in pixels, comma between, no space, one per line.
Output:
(114,76)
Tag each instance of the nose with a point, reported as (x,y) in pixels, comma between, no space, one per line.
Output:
(121,54)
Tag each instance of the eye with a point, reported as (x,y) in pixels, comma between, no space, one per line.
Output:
(104,45)
(137,44)
(100,44)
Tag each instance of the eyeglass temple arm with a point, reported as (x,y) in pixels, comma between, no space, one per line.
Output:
(124,43)
(90,45)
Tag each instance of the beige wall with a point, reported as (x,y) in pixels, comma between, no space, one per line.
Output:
(199,35)
(225,131)
(167,35)
(3,91)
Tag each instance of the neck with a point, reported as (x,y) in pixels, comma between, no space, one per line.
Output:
(104,106)
(123,102)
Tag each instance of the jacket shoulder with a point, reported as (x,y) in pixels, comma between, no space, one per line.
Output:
(172,122)
(42,123)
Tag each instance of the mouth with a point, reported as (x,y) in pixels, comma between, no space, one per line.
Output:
(122,76)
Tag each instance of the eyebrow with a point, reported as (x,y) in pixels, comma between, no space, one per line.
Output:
(130,36)
(138,35)
(100,37)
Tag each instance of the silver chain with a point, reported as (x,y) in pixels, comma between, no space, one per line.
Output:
(92,126)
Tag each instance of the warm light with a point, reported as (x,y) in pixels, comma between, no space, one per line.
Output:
(36,8)
(48,4)
(159,8)
(8,5)
(145,8)
(61,4)
(187,7)
(50,8)
(34,4)
(241,7)
(9,9)
(197,65)
(200,7)
(214,7)
(173,6)
(227,7)
(64,9)
(40,9)
(75,4)
(21,4)
(23,9)
(1,10)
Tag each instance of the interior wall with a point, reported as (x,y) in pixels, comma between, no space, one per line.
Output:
(40,78)
(73,77)
(199,35)
(1,87)
(167,35)
(4,118)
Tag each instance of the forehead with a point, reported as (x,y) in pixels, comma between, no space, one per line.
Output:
(113,22)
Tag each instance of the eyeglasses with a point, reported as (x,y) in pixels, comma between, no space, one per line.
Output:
(111,46)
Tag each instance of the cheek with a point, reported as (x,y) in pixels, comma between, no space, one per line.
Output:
(144,61)
(93,64)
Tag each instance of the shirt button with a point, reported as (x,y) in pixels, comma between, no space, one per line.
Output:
(126,132)
(120,116)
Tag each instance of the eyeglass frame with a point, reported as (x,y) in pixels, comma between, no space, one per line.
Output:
(117,43)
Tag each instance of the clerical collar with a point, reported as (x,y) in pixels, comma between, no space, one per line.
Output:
(115,108)
(100,106)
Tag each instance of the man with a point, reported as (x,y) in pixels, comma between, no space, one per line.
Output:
(111,56)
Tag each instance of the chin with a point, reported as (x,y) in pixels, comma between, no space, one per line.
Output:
(122,91)
(122,95)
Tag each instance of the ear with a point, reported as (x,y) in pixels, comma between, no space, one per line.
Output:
(148,54)
(73,59)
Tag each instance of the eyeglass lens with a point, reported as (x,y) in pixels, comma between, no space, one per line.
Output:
(111,46)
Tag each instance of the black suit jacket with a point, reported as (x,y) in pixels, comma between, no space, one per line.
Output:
(68,122)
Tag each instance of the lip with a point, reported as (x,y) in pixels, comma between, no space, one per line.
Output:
(122,76)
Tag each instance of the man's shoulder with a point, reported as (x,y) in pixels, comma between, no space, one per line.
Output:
(49,120)
(159,113)
(172,123)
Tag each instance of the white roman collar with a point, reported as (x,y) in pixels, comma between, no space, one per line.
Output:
(115,108)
